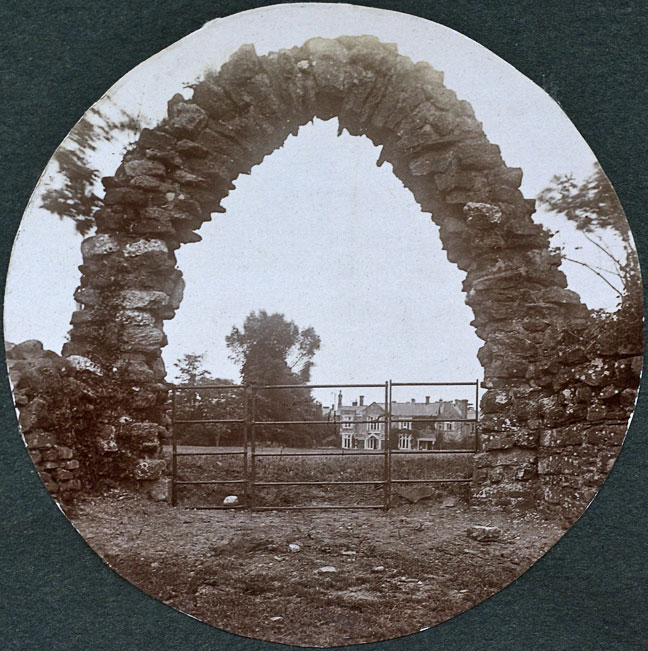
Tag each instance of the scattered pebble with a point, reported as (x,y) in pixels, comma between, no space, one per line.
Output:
(327,569)
(231,500)
(378,568)
(483,533)
(294,548)
(276,619)
(348,553)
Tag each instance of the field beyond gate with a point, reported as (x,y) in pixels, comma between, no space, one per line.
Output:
(327,478)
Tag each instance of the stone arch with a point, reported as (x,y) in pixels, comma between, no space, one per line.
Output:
(175,176)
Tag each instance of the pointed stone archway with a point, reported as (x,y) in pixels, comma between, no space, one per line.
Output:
(176,175)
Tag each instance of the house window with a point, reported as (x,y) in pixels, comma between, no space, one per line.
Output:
(405,442)
(373,425)
(347,441)
(448,426)
(405,425)
(371,443)
(347,425)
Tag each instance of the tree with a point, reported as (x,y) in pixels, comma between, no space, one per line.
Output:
(271,350)
(194,403)
(595,210)
(593,207)
(75,196)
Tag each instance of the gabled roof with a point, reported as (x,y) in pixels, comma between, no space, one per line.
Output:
(438,409)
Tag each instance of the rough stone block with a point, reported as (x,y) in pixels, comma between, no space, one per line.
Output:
(132,299)
(40,440)
(87,296)
(36,415)
(81,363)
(29,349)
(35,455)
(498,441)
(599,373)
(106,439)
(99,245)
(149,469)
(144,167)
(160,490)
(145,435)
(61,474)
(126,196)
(562,437)
(605,434)
(70,485)
(142,336)
(136,371)
(50,465)
(565,464)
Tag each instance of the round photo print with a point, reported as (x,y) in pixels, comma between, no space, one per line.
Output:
(344,325)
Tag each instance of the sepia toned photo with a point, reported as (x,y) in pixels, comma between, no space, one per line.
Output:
(345,325)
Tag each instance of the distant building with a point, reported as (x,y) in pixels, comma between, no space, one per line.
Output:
(411,435)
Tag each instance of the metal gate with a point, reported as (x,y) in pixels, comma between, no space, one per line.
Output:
(250,426)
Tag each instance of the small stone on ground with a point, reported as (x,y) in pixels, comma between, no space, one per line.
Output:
(484,533)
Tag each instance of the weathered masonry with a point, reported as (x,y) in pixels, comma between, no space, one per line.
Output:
(555,411)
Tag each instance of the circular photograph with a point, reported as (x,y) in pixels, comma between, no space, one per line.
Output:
(344,325)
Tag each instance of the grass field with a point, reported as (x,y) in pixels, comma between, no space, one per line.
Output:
(281,466)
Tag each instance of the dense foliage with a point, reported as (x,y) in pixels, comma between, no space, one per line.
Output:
(271,350)
(195,403)
(73,193)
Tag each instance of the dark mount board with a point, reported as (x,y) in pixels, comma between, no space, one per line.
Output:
(58,58)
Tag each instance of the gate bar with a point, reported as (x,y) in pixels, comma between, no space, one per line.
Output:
(210,481)
(428,481)
(319,507)
(364,453)
(463,451)
(432,384)
(321,483)
(319,386)
(183,421)
(207,454)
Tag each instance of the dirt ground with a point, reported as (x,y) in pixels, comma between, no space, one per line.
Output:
(394,573)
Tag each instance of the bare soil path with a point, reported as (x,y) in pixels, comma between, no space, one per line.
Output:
(395,572)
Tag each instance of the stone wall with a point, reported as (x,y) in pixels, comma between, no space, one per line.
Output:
(74,427)
(175,176)
(550,440)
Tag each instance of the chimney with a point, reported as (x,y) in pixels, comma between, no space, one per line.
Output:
(427,400)
(361,401)
(413,399)
(354,403)
(340,399)
(463,407)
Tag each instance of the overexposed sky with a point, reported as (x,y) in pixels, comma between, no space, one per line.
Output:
(317,231)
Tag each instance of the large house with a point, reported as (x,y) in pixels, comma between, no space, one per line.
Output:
(455,428)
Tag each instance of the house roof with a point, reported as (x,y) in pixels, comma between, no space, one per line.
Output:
(438,409)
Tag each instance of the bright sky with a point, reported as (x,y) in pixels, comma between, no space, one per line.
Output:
(317,231)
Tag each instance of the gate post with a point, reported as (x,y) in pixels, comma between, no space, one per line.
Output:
(174,449)
(252,478)
(246,423)
(387,439)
